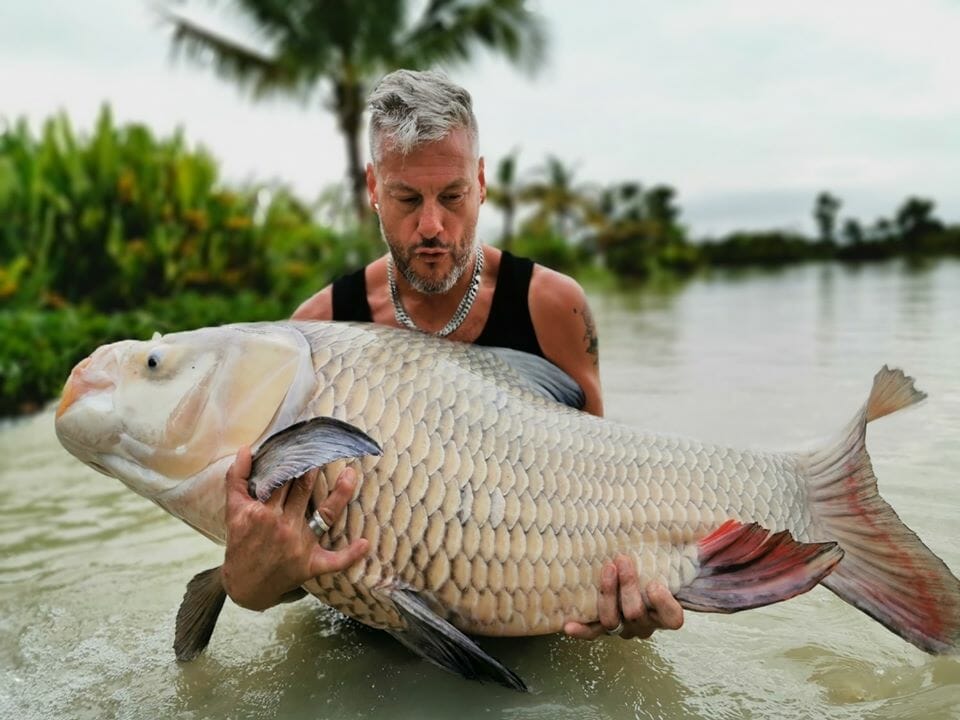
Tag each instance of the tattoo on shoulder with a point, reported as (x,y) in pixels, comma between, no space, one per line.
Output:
(590,333)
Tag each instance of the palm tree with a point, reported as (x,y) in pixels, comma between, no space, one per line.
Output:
(560,203)
(335,48)
(505,195)
(914,220)
(825,210)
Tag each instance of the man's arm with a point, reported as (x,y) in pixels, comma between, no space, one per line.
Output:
(566,331)
(568,336)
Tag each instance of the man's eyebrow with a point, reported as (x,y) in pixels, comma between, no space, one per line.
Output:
(398,186)
(403,187)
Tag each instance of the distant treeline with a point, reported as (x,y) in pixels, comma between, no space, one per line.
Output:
(634,231)
(121,233)
(913,231)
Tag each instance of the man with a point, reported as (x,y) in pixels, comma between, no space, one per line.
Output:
(426,183)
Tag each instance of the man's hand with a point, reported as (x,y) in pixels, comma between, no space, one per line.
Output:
(622,598)
(270,548)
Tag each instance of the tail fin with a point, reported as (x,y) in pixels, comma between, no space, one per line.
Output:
(886,570)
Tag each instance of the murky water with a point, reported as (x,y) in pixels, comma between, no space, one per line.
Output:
(91,575)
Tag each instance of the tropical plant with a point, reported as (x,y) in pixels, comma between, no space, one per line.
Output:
(915,222)
(505,194)
(116,218)
(561,206)
(334,49)
(638,232)
(825,210)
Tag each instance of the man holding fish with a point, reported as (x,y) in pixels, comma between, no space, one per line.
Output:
(426,183)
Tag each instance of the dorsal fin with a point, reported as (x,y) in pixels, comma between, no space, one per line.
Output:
(543,377)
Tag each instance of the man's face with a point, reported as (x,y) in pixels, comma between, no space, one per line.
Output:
(429,200)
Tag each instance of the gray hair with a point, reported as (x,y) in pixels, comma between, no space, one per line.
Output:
(409,108)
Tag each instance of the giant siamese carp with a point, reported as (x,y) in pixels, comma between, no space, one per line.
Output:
(490,501)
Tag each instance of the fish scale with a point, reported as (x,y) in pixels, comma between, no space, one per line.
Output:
(564,476)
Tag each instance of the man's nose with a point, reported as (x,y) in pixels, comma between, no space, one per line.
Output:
(431,220)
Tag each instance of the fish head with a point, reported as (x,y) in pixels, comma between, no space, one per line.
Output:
(160,413)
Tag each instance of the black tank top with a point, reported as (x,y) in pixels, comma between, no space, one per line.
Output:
(509,324)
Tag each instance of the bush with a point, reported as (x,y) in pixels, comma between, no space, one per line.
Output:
(39,347)
(122,216)
(547,249)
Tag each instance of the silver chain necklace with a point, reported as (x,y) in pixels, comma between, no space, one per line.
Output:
(463,309)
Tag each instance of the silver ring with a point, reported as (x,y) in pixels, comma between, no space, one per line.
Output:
(617,630)
(318,524)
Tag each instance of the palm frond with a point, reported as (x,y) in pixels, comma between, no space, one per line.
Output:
(449,30)
(232,60)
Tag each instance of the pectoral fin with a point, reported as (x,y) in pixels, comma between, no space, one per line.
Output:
(199,610)
(543,377)
(198,613)
(436,640)
(289,453)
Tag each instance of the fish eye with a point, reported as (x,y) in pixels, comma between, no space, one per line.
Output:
(153,360)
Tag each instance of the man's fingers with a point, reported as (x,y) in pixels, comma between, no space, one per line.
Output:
(237,477)
(324,561)
(332,506)
(631,597)
(608,606)
(664,607)
(299,494)
(278,498)
(583,632)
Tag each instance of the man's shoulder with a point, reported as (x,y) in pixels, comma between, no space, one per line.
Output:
(318,306)
(553,292)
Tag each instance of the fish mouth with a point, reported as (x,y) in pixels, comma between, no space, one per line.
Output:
(93,374)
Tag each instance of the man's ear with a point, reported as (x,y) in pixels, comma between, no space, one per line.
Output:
(372,188)
(481,178)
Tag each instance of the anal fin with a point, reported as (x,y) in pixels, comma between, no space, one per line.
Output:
(439,642)
(747,566)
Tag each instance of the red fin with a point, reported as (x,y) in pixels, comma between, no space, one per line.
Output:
(745,566)
(886,571)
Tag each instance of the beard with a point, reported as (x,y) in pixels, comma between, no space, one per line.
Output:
(459,254)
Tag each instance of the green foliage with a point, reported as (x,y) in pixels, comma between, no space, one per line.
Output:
(825,210)
(39,347)
(122,216)
(548,249)
(764,248)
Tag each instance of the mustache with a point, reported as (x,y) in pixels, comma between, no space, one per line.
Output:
(431,244)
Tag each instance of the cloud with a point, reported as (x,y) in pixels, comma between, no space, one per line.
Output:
(745,106)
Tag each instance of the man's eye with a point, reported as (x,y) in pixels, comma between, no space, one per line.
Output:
(453,197)
(409,200)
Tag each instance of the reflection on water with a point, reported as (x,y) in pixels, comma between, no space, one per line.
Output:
(91,574)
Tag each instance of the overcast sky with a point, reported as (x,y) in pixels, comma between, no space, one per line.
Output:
(747,107)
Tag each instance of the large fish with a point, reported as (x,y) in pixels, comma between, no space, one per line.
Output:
(489,504)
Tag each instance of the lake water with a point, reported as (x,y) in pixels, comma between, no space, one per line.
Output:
(91,575)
